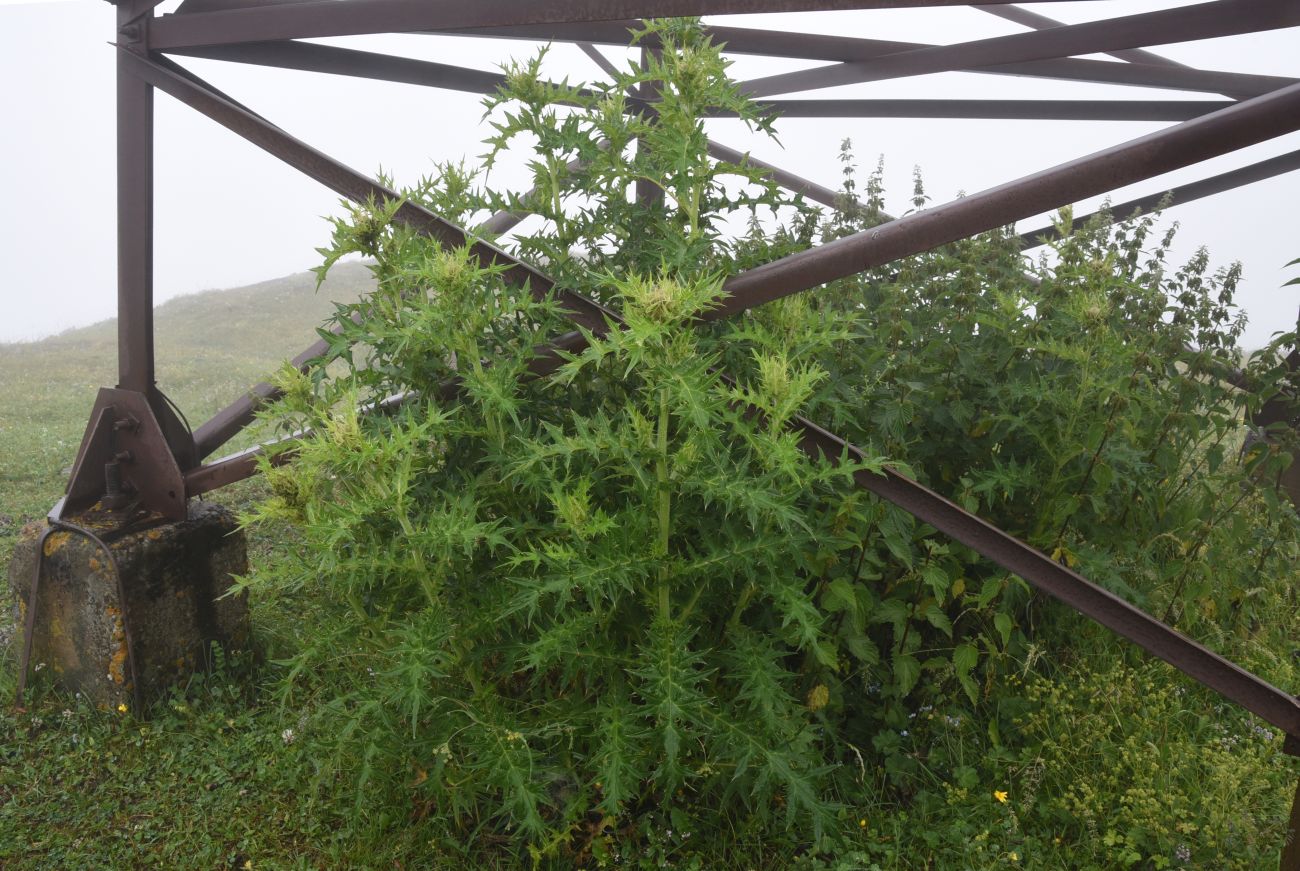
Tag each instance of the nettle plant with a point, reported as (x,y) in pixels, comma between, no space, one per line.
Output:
(557,606)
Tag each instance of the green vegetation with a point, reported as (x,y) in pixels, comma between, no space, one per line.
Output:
(616,618)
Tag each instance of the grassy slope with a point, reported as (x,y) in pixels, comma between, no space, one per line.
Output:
(210,347)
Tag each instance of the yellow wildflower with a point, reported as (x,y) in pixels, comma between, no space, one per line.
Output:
(1000,795)
(1013,856)
(121,709)
(862,824)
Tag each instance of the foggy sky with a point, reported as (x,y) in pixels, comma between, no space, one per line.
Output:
(227,214)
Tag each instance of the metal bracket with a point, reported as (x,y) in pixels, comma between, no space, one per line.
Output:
(126,458)
(133,24)
(1291,847)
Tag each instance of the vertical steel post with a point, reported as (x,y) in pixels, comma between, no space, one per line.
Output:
(647,192)
(135,354)
(136,445)
(1291,850)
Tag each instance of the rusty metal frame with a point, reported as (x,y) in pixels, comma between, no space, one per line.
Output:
(135,431)
(825,47)
(1203,21)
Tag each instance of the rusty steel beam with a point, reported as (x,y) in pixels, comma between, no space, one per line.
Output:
(606,66)
(349,183)
(192,6)
(234,468)
(148,445)
(1203,21)
(189,7)
(1038,21)
(1164,642)
(312,57)
(234,418)
(333,60)
(319,18)
(1035,110)
(818,193)
(1239,126)
(753,41)
(826,47)
(1180,195)
(227,423)
(832,48)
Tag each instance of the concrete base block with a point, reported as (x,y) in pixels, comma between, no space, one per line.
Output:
(174,578)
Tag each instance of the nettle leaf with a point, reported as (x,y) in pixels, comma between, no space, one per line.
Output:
(936,617)
(893,611)
(860,646)
(969,687)
(965,657)
(907,671)
(841,596)
(896,529)
(988,592)
(1003,623)
(936,578)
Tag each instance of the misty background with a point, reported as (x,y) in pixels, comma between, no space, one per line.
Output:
(228,215)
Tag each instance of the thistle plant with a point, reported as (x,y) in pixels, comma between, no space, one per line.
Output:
(556,606)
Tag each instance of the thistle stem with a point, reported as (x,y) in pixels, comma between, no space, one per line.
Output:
(664,498)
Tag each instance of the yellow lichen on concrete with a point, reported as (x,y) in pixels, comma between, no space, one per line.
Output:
(117,664)
(153,534)
(94,564)
(55,542)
